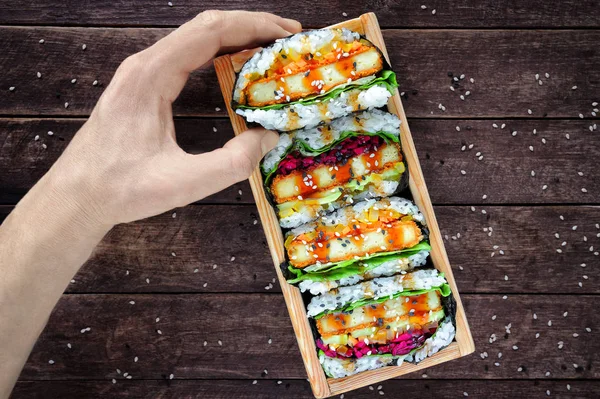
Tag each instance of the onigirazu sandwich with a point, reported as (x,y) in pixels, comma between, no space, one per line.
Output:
(383,322)
(314,171)
(312,77)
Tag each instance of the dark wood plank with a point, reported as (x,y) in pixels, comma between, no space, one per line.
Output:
(502,62)
(244,323)
(23,160)
(391,13)
(504,173)
(208,235)
(244,389)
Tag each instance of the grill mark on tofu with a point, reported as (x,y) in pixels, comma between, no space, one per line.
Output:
(313,79)
(414,309)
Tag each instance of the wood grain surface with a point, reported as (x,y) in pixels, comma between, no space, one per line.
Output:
(503,174)
(391,13)
(163,263)
(244,323)
(503,64)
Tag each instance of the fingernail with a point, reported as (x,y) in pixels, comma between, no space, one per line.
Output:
(269,141)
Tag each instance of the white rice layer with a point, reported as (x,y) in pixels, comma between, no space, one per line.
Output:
(308,213)
(374,289)
(389,268)
(301,43)
(338,368)
(359,211)
(443,337)
(372,121)
(298,116)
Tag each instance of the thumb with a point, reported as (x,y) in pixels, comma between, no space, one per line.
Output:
(211,172)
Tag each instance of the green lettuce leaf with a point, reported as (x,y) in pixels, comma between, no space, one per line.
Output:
(345,263)
(443,289)
(338,271)
(386,77)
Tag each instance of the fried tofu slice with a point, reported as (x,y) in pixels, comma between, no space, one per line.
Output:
(302,184)
(308,80)
(352,242)
(412,310)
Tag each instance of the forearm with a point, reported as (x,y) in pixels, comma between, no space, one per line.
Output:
(43,242)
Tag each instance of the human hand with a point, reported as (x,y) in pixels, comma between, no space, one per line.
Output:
(124,164)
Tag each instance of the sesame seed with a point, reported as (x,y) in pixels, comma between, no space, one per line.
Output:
(531,148)
(132,302)
(581,116)
(50,361)
(170,4)
(433,12)
(171,376)
(462,172)
(41,41)
(458,128)
(159,332)
(423,7)
(135,359)
(66,105)
(114,381)
(574,88)
(36,138)
(583,190)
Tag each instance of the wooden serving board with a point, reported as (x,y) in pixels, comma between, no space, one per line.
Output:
(226,67)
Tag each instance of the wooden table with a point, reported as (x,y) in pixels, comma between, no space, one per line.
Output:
(178,305)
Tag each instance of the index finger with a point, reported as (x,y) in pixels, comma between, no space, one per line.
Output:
(212,32)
